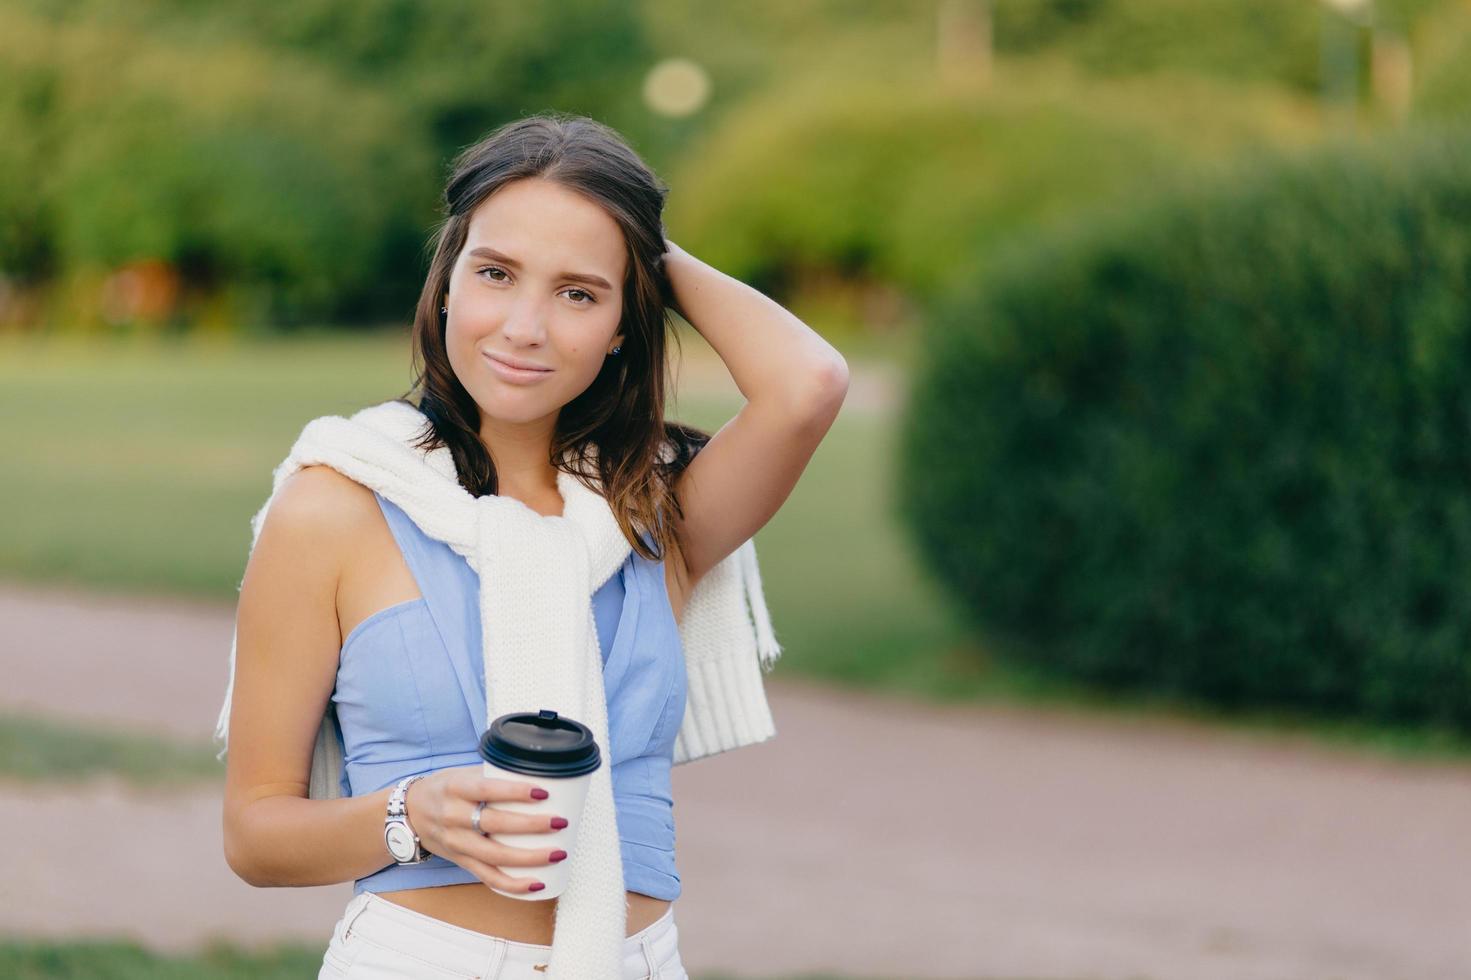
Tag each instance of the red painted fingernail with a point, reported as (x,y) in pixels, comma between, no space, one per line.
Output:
(538,794)
(557,856)
(558,823)
(536,886)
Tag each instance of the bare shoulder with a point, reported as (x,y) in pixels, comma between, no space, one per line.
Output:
(322,497)
(323,507)
(310,527)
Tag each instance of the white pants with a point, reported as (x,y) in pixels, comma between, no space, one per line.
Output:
(376,939)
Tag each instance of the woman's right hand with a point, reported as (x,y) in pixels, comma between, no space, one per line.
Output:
(439,809)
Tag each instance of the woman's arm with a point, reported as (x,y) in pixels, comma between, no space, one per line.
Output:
(287,643)
(773,356)
(794,383)
(287,840)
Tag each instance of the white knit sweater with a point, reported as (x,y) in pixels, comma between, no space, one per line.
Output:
(547,652)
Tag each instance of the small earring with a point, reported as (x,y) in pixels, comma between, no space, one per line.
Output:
(444,311)
(616,349)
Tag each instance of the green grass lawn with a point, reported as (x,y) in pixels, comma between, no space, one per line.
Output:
(137,469)
(37,748)
(34,959)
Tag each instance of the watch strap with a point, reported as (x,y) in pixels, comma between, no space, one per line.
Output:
(398,813)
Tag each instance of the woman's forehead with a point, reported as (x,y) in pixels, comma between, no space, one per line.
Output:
(546,228)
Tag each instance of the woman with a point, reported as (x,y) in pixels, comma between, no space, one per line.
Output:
(541,331)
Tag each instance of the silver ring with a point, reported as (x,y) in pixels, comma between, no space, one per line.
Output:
(475,820)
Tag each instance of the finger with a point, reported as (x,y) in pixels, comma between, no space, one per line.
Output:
(494,820)
(495,877)
(495,853)
(489,788)
(511,790)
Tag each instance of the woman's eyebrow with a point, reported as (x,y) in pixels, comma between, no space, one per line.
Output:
(483,252)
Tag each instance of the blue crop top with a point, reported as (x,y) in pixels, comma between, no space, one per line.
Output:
(410,698)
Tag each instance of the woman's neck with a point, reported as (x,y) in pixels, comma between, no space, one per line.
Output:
(521,456)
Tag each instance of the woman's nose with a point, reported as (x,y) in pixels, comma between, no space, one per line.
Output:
(525,323)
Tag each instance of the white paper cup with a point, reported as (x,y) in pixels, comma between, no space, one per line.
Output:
(559,755)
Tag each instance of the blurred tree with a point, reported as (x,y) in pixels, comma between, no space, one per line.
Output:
(288,154)
(891,179)
(267,176)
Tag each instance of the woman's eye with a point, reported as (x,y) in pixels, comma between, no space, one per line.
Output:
(587,300)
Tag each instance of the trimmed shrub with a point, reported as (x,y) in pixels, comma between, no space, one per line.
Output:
(1217,446)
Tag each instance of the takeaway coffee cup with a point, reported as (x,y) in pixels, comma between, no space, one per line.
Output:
(559,755)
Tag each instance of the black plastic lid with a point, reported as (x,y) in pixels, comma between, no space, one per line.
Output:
(540,744)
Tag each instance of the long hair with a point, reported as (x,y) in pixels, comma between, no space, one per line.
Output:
(613,436)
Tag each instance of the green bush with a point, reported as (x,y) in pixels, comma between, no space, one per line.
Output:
(892,176)
(1217,446)
(266,176)
(285,159)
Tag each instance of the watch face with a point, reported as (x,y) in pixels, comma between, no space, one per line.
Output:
(400,842)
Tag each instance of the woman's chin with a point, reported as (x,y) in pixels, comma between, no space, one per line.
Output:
(508,409)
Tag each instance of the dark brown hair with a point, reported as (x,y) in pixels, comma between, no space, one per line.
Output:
(613,436)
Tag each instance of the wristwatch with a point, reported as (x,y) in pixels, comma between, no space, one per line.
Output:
(402,842)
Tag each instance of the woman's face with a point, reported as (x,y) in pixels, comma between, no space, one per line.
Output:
(539,282)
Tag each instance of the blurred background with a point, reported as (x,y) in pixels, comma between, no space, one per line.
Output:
(1132,568)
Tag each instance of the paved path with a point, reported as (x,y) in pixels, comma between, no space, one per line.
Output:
(872,837)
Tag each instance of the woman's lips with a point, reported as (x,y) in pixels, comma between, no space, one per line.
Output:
(512,374)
